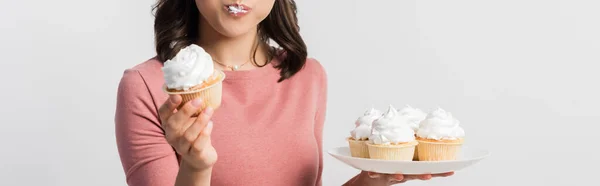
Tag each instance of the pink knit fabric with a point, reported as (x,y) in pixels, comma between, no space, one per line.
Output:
(265,133)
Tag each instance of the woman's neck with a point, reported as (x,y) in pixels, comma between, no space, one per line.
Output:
(232,51)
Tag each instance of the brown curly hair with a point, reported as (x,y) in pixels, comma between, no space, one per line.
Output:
(176,26)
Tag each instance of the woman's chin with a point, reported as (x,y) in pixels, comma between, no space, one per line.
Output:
(236,29)
(232,33)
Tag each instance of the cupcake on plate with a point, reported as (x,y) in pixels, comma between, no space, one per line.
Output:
(191,74)
(414,116)
(392,138)
(360,135)
(440,137)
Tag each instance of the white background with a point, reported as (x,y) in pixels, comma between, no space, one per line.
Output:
(521,76)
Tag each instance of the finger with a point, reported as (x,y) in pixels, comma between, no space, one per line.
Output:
(397,182)
(207,131)
(443,174)
(166,109)
(193,118)
(193,131)
(203,140)
(200,122)
(374,175)
(388,177)
(186,111)
(418,177)
(396,177)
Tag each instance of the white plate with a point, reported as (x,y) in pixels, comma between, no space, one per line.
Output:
(468,157)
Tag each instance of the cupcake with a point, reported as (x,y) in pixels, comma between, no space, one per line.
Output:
(414,116)
(392,138)
(360,135)
(440,137)
(191,74)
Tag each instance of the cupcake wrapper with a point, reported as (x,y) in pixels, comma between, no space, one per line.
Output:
(358,148)
(392,152)
(211,95)
(416,155)
(436,151)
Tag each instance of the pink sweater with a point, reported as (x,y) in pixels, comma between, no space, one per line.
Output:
(265,133)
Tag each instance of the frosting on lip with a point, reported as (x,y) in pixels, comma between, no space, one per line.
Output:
(237,9)
(440,125)
(391,128)
(414,116)
(191,66)
(363,124)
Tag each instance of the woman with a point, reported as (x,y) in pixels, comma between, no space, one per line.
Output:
(268,130)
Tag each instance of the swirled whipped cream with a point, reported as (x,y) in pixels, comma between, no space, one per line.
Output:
(414,116)
(363,124)
(391,128)
(191,66)
(440,125)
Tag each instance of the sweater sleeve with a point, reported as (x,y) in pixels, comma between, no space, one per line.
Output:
(146,157)
(320,118)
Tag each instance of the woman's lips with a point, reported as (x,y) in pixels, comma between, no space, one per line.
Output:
(237,9)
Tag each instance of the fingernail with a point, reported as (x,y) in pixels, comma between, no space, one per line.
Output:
(208,111)
(208,129)
(175,99)
(426,177)
(398,177)
(373,175)
(196,102)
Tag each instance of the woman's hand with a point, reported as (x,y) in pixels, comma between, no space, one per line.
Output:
(190,136)
(377,179)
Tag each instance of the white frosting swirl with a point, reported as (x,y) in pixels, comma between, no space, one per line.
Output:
(440,125)
(391,128)
(414,116)
(190,67)
(363,124)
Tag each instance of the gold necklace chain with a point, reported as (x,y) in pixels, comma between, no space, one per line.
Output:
(236,67)
(233,68)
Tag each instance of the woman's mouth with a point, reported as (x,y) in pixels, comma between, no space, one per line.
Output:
(237,9)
